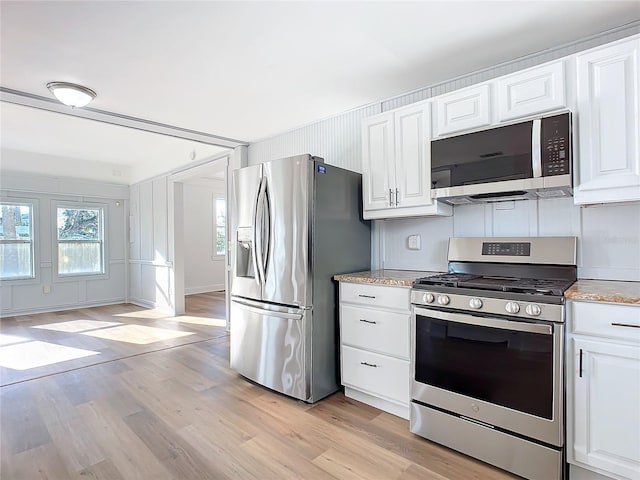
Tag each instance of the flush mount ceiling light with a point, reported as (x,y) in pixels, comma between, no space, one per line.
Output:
(71,94)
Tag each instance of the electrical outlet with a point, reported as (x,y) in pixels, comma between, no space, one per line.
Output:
(46,289)
(413,242)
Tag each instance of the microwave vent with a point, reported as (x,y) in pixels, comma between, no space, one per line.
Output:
(552,193)
(459,201)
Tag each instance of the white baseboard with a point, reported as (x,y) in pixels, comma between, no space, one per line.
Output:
(59,308)
(204,289)
(395,408)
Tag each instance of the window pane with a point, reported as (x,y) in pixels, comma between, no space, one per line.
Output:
(15,222)
(15,260)
(220,212)
(79,224)
(79,257)
(220,242)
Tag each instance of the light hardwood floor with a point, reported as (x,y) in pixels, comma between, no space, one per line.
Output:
(173,409)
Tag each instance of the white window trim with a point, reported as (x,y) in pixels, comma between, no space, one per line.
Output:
(35,249)
(74,277)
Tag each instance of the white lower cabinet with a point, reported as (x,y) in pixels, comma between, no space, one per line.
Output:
(603,376)
(374,345)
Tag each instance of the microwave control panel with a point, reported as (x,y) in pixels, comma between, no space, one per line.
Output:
(556,143)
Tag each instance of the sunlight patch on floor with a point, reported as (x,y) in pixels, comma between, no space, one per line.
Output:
(211,322)
(75,326)
(24,356)
(138,334)
(9,339)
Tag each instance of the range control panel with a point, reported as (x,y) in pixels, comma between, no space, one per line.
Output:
(511,249)
(556,139)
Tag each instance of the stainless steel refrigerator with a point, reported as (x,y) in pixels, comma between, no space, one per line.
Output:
(296,222)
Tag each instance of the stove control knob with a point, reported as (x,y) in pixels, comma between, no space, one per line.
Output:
(443,300)
(475,303)
(533,310)
(512,307)
(428,298)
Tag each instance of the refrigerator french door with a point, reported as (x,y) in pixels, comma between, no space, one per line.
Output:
(297,223)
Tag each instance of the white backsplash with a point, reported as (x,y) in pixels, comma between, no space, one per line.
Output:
(608,235)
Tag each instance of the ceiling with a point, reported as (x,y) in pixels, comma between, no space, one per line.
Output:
(250,70)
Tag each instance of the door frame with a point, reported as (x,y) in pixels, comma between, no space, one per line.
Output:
(234,160)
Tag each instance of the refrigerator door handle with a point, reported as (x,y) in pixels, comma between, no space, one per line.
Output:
(256,308)
(266,230)
(258,231)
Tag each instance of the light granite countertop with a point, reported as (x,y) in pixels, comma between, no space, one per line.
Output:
(605,291)
(397,278)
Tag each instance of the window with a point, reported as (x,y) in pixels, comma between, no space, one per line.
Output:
(80,241)
(221,226)
(16,241)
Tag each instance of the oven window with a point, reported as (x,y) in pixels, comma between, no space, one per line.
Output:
(504,367)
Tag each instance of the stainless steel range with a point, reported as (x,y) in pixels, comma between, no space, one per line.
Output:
(488,352)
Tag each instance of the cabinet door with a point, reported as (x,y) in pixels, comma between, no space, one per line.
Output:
(606,406)
(377,166)
(413,156)
(533,91)
(463,110)
(608,108)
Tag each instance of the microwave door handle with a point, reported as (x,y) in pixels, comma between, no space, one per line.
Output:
(536,149)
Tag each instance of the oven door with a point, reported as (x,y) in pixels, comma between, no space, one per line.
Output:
(504,373)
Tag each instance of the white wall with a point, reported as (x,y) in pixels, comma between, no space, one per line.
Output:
(608,236)
(204,271)
(27,296)
(149,260)
(41,164)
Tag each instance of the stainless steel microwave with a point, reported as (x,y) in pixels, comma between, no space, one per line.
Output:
(523,160)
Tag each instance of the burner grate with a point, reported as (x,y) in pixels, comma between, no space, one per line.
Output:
(445,279)
(530,286)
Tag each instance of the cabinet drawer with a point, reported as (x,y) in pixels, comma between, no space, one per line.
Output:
(605,320)
(378,330)
(376,295)
(377,374)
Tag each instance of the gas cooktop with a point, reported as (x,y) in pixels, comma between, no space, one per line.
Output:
(533,286)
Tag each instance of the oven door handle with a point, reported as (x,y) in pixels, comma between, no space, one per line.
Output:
(486,322)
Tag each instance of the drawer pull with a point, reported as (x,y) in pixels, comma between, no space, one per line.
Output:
(367,296)
(625,325)
(369,364)
(368,321)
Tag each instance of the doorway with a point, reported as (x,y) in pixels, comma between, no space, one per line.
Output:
(200,231)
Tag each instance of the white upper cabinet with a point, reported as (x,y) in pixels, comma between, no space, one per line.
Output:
(378,167)
(413,156)
(397,164)
(608,167)
(464,109)
(535,90)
